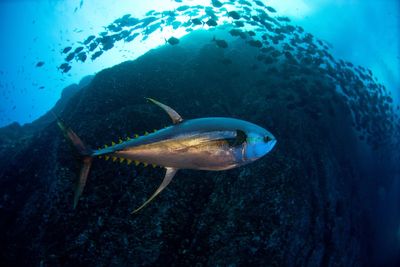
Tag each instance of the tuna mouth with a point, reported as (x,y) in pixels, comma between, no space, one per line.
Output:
(271,145)
(269,138)
(273,142)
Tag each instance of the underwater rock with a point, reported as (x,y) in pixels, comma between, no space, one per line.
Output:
(301,205)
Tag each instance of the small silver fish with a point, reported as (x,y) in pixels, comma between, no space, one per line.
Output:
(213,144)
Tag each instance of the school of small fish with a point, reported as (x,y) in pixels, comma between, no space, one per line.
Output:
(279,43)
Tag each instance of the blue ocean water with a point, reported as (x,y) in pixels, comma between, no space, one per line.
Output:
(49,45)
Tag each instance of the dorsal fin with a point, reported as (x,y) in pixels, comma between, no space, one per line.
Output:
(176,118)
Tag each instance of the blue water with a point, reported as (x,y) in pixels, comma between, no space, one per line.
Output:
(39,36)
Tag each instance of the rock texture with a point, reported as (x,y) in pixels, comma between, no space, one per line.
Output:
(302,205)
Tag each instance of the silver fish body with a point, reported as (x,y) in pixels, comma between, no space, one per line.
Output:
(213,144)
(199,144)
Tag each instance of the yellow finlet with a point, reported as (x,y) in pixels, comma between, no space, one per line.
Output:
(145,164)
(137,162)
(146,133)
(107,157)
(154,130)
(136,135)
(121,160)
(114,158)
(154,165)
(105,146)
(100,157)
(120,140)
(112,143)
(128,161)
(128,138)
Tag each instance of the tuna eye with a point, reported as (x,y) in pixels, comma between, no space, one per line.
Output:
(267,139)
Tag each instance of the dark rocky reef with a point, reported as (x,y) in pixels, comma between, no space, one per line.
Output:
(307,203)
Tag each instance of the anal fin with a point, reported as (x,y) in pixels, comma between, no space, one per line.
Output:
(169,174)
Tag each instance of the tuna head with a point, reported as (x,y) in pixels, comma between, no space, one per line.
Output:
(258,143)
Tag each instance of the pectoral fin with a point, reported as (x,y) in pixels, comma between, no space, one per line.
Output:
(170,173)
(176,118)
